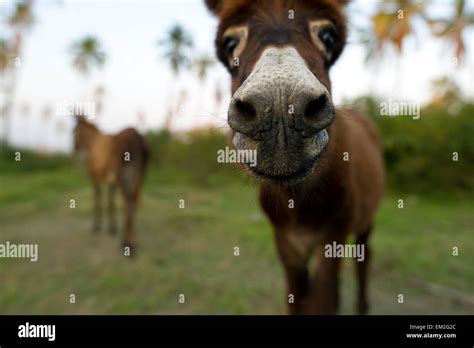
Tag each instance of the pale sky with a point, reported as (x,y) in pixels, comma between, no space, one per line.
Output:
(137,79)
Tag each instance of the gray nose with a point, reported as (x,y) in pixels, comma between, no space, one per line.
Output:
(308,113)
(281,90)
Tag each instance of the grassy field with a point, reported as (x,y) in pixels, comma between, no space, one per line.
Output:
(190,251)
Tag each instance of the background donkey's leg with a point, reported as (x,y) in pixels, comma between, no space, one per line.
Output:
(97,208)
(112,210)
(130,194)
(129,236)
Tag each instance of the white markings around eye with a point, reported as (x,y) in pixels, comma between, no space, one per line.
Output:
(315,27)
(240,33)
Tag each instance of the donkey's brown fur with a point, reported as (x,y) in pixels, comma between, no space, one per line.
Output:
(117,160)
(342,193)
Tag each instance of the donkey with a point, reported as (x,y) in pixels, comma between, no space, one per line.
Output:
(115,160)
(320,170)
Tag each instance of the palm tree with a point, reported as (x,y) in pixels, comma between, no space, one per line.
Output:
(389,29)
(452,28)
(99,93)
(20,21)
(393,23)
(5,54)
(390,26)
(87,53)
(141,120)
(202,65)
(46,117)
(217,96)
(6,79)
(168,118)
(177,42)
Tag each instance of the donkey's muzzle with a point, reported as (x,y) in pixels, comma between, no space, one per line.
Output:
(282,111)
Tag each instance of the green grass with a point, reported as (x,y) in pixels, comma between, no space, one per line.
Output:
(190,251)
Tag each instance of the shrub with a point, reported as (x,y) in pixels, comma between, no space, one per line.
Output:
(419,153)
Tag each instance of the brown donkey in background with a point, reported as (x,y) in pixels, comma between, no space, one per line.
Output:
(115,160)
(321,169)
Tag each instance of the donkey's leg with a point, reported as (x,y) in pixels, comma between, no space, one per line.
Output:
(97,208)
(297,275)
(361,271)
(297,278)
(112,210)
(325,283)
(129,234)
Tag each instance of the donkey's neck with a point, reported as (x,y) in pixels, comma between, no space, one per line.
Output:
(91,136)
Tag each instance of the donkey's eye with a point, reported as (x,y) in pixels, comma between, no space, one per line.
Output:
(234,42)
(230,43)
(324,35)
(328,36)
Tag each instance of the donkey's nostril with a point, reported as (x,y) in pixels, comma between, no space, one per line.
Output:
(315,108)
(318,114)
(245,110)
(242,116)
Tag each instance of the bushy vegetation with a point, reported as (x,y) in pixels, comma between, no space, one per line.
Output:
(192,155)
(30,160)
(419,152)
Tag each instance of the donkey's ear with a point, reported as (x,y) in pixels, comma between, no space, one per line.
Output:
(214,6)
(222,8)
(78,118)
(343,2)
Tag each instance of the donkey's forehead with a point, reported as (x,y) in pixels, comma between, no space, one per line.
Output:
(279,21)
(239,10)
